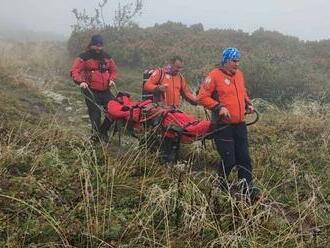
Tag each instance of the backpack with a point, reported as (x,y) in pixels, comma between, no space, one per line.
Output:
(146,75)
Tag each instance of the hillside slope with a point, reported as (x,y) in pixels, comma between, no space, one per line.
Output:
(57,189)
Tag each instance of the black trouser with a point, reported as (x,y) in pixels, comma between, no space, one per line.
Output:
(169,150)
(94,111)
(232,145)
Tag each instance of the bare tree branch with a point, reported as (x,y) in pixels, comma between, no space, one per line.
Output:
(123,15)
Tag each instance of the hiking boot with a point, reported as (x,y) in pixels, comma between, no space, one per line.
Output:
(100,137)
(250,192)
(94,138)
(254,194)
(167,159)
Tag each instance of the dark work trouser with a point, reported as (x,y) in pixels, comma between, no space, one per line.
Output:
(169,150)
(94,111)
(232,145)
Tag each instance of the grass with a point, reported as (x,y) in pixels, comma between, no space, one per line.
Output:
(90,196)
(59,190)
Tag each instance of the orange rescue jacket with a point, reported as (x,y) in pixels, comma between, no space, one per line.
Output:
(176,87)
(220,89)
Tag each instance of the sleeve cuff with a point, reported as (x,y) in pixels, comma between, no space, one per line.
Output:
(217,107)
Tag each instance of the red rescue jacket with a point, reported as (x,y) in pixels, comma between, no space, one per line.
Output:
(187,127)
(96,69)
(222,89)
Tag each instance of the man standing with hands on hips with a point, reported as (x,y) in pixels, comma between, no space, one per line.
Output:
(224,93)
(95,72)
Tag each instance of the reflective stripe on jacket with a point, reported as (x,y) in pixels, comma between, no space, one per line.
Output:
(220,88)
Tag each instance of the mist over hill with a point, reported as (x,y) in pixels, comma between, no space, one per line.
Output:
(12,32)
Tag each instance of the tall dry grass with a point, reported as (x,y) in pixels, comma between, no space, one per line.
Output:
(57,189)
(62,190)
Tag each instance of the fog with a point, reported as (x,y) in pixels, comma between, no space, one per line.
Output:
(305,19)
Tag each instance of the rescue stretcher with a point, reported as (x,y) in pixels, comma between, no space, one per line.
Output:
(169,122)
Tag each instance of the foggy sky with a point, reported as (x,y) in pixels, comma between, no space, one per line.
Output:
(305,19)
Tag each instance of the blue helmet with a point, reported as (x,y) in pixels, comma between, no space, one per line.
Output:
(230,53)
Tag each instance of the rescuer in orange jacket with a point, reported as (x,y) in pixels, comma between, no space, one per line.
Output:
(168,84)
(224,93)
(95,72)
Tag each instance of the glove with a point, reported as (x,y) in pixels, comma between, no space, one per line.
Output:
(111,83)
(249,109)
(83,85)
(224,113)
